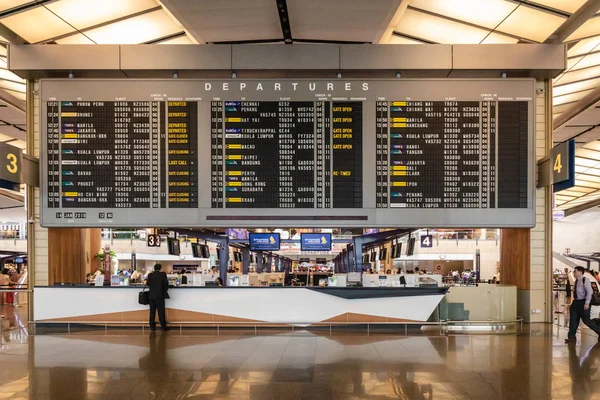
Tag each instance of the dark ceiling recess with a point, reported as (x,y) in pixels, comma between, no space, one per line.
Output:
(284,19)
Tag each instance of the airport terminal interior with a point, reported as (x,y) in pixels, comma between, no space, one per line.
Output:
(299,199)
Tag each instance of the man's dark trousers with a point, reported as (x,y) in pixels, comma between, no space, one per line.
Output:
(159,304)
(577,312)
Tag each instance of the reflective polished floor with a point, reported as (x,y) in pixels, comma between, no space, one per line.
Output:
(298,365)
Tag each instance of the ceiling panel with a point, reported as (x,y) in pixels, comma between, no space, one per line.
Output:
(439,30)
(569,98)
(563,108)
(566,132)
(354,20)
(487,14)
(8,4)
(575,87)
(395,39)
(584,183)
(85,13)
(587,61)
(579,75)
(594,145)
(584,46)
(589,28)
(586,163)
(36,25)
(139,29)
(530,23)
(75,39)
(496,38)
(594,155)
(232,20)
(178,40)
(591,116)
(569,6)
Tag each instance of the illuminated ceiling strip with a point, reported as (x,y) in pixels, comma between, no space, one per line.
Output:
(24,7)
(463,22)
(100,25)
(418,39)
(166,38)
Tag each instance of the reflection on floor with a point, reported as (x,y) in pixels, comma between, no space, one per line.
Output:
(298,365)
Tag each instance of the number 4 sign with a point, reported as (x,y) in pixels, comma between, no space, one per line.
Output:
(427,241)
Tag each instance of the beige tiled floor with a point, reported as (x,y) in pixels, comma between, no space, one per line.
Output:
(299,365)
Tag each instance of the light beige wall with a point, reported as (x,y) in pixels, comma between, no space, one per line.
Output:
(539,278)
(41,234)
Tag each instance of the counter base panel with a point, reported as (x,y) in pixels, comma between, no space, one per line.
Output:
(299,306)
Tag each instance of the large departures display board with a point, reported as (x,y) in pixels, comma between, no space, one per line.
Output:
(305,153)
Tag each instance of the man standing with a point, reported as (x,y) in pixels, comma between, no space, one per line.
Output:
(580,307)
(159,284)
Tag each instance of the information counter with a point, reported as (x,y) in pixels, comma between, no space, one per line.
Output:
(205,305)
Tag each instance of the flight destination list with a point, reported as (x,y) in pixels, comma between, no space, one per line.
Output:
(122,154)
(445,154)
(286,154)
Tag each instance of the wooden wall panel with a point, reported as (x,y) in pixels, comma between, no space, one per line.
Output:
(515,260)
(66,255)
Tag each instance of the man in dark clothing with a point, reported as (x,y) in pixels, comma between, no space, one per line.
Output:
(580,307)
(158,284)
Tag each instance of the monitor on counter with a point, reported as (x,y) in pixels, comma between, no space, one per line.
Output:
(354,277)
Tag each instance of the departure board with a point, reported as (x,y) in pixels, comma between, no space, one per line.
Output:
(314,153)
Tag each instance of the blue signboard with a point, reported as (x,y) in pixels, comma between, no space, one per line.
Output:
(264,241)
(426,241)
(315,242)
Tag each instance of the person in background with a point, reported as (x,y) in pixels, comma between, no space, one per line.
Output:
(580,307)
(494,281)
(158,285)
(219,281)
(184,279)
(388,272)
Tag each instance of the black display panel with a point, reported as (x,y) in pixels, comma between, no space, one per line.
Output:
(444,154)
(304,153)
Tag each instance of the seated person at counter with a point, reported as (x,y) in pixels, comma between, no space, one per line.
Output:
(159,285)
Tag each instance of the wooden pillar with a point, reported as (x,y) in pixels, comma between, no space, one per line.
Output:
(66,255)
(515,260)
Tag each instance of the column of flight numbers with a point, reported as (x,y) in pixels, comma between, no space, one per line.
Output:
(132,154)
(320,155)
(382,154)
(469,153)
(296,147)
(484,159)
(52,152)
(492,155)
(155,158)
(327,166)
(216,134)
